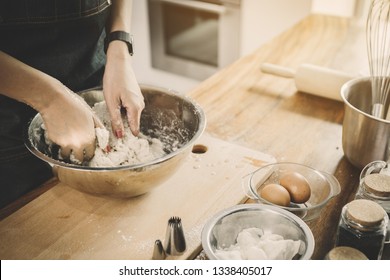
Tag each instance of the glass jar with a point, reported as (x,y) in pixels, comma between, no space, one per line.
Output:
(363,226)
(345,253)
(375,184)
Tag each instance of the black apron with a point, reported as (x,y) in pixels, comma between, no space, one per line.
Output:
(63,38)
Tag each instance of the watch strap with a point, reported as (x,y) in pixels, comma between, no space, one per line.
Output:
(121,36)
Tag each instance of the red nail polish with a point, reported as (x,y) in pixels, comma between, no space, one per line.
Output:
(119,133)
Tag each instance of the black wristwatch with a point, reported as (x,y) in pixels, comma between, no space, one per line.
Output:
(121,36)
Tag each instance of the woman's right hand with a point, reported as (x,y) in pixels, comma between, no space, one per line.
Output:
(70,123)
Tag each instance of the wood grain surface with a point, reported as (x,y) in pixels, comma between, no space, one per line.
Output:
(64,223)
(265,113)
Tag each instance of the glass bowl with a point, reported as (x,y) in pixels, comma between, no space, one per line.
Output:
(323,187)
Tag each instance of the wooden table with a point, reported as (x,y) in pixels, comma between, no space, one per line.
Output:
(265,113)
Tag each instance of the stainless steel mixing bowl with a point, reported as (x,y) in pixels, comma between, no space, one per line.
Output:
(365,138)
(221,230)
(183,121)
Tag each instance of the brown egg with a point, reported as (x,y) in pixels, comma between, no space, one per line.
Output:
(297,186)
(275,194)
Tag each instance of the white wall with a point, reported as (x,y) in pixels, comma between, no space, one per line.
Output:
(264,19)
(354,9)
(140,31)
(345,8)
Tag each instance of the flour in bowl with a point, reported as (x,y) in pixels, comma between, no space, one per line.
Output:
(128,150)
(256,244)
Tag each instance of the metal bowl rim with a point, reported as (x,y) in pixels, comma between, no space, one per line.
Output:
(202,126)
(347,103)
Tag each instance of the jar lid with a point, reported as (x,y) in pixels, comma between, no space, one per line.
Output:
(365,212)
(345,253)
(378,184)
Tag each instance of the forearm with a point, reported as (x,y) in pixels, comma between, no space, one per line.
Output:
(26,84)
(120,18)
(120,86)
(69,121)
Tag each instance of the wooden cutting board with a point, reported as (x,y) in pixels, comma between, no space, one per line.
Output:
(64,223)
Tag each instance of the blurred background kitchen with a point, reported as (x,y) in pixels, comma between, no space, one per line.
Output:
(179,43)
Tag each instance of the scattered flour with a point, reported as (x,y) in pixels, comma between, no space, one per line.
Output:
(254,244)
(128,150)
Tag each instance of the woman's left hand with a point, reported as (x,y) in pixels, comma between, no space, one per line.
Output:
(121,89)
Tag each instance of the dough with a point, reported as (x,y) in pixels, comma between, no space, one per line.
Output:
(129,150)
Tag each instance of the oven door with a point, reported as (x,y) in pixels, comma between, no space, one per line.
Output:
(193,38)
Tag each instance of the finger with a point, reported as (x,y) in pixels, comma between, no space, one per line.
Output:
(116,123)
(65,152)
(134,118)
(89,151)
(78,154)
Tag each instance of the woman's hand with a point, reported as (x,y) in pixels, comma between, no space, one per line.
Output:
(70,123)
(121,90)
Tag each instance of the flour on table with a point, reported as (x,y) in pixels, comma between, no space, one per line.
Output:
(128,150)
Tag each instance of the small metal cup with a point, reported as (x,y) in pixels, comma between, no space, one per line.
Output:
(365,138)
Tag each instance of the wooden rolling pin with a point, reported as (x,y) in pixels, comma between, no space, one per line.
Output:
(312,79)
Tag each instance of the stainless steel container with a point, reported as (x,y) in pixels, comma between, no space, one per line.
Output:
(222,229)
(365,138)
(185,122)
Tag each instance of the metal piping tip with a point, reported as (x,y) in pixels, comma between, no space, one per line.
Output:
(175,243)
(158,251)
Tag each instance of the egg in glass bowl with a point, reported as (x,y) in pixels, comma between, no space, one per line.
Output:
(294,187)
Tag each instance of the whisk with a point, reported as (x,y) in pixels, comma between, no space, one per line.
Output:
(378,50)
